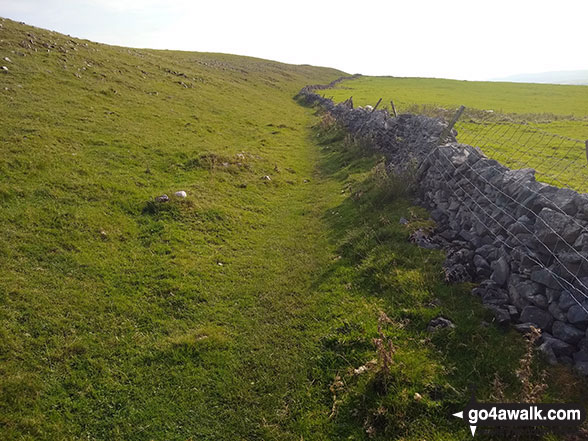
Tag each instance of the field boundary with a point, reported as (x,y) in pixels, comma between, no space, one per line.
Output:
(525,242)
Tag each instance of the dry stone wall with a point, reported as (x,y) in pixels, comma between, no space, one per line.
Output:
(524,241)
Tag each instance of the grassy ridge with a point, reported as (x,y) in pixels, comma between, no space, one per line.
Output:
(228,314)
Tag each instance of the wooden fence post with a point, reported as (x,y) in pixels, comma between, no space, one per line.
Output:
(448,129)
(393,109)
(377,104)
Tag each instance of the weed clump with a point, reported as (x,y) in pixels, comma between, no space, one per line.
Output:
(328,130)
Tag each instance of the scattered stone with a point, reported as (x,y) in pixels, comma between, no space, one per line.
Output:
(162,198)
(456,273)
(266,178)
(440,323)
(8,60)
(403,221)
(4,69)
(180,194)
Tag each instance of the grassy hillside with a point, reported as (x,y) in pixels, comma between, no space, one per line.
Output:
(231,313)
(521,130)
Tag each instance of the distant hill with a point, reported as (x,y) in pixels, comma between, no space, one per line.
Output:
(577,77)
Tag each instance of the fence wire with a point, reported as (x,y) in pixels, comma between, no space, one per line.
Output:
(557,160)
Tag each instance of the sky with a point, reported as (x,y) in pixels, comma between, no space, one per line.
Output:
(467,40)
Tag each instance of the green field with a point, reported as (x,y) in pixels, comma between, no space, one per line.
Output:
(239,312)
(518,130)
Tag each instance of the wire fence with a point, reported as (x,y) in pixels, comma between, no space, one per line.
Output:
(551,243)
(509,194)
(558,160)
(519,141)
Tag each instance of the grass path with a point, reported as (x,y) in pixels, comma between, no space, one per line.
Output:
(239,312)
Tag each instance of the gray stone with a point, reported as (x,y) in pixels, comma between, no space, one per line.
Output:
(577,315)
(440,323)
(581,367)
(566,300)
(554,228)
(501,316)
(567,332)
(538,300)
(524,328)
(552,294)
(559,347)
(513,311)
(562,199)
(501,271)
(480,262)
(531,314)
(557,313)
(544,277)
(581,242)
(581,355)
(487,251)
(548,353)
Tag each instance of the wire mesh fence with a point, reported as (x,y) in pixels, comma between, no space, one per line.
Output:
(519,141)
(558,160)
(508,196)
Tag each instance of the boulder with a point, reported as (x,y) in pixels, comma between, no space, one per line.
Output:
(501,271)
(566,332)
(581,367)
(545,277)
(532,314)
(566,301)
(558,346)
(578,316)
(555,229)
